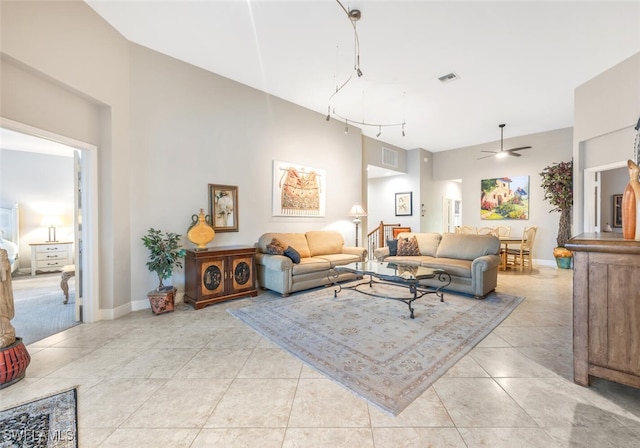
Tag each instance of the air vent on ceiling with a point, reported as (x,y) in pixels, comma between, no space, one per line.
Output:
(389,157)
(449,77)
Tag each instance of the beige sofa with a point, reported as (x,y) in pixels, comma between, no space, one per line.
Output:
(319,250)
(471,260)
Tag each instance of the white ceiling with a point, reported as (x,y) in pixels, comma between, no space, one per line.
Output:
(17,141)
(518,62)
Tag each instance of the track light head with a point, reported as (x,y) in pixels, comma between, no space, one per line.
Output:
(328,117)
(379,131)
(346,127)
(359,72)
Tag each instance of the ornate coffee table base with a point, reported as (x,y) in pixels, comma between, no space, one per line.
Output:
(413,285)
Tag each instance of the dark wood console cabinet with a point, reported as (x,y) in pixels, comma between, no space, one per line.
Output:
(218,274)
(606,308)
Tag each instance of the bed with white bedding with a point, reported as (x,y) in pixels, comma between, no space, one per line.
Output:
(9,234)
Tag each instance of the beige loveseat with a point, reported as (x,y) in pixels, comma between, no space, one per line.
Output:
(471,260)
(319,250)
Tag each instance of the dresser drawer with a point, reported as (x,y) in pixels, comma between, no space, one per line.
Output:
(47,248)
(52,255)
(52,264)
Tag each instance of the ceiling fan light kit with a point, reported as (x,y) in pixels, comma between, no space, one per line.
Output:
(503,153)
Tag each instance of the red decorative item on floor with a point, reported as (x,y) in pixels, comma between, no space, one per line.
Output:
(629,209)
(14,360)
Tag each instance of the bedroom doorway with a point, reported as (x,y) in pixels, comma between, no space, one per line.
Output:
(85,234)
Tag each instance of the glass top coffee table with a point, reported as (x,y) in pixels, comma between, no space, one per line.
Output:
(403,275)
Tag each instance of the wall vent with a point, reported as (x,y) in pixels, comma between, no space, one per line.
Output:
(449,77)
(389,157)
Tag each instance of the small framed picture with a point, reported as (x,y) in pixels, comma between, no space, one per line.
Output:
(617,210)
(404,204)
(223,207)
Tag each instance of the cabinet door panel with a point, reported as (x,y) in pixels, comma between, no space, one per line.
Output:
(213,276)
(624,319)
(598,302)
(242,273)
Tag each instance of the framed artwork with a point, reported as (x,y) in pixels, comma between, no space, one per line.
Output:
(617,210)
(504,198)
(298,190)
(223,207)
(404,204)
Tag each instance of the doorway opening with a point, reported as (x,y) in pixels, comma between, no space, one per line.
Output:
(85,214)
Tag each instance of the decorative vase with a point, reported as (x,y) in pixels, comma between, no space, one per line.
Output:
(201,232)
(630,208)
(163,300)
(16,359)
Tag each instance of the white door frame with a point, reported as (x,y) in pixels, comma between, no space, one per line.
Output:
(89,166)
(593,196)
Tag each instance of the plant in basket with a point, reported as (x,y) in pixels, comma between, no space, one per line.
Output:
(165,254)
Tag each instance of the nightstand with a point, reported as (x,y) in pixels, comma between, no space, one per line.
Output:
(50,256)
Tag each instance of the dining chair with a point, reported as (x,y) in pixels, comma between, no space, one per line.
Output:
(466,229)
(487,231)
(503,230)
(523,255)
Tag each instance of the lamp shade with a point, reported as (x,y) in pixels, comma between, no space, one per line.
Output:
(357,210)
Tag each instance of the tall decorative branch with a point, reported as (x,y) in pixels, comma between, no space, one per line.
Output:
(557,183)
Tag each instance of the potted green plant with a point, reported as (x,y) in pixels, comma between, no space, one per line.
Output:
(557,183)
(164,255)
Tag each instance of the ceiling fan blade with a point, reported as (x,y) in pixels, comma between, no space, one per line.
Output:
(484,157)
(518,149)
(514,154)
(492,152)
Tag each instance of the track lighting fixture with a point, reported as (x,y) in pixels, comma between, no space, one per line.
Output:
(355,15)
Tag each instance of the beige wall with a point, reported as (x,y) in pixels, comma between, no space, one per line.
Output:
(193,128)
(607,108)
(38,182)
(66,46)
(164,130)
(463,163)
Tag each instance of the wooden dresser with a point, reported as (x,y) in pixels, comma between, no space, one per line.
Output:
(606,308)
(51,256)
(218,274)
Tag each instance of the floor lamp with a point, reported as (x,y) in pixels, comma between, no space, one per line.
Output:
(357,211)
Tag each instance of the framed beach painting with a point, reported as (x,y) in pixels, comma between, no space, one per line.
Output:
(223,207)
(298,190)
(504,198)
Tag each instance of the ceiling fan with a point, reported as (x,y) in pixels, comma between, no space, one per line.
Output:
(504,152)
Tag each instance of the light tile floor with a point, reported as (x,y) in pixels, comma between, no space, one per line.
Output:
(204,379)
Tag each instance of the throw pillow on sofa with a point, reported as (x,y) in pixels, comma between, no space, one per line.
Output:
(275,247)
(293,254)
(408,247)
(393,247)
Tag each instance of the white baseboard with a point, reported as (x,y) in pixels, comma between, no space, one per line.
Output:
(135,305)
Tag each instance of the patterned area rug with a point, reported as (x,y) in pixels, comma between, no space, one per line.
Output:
(371,345)
(48,422)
